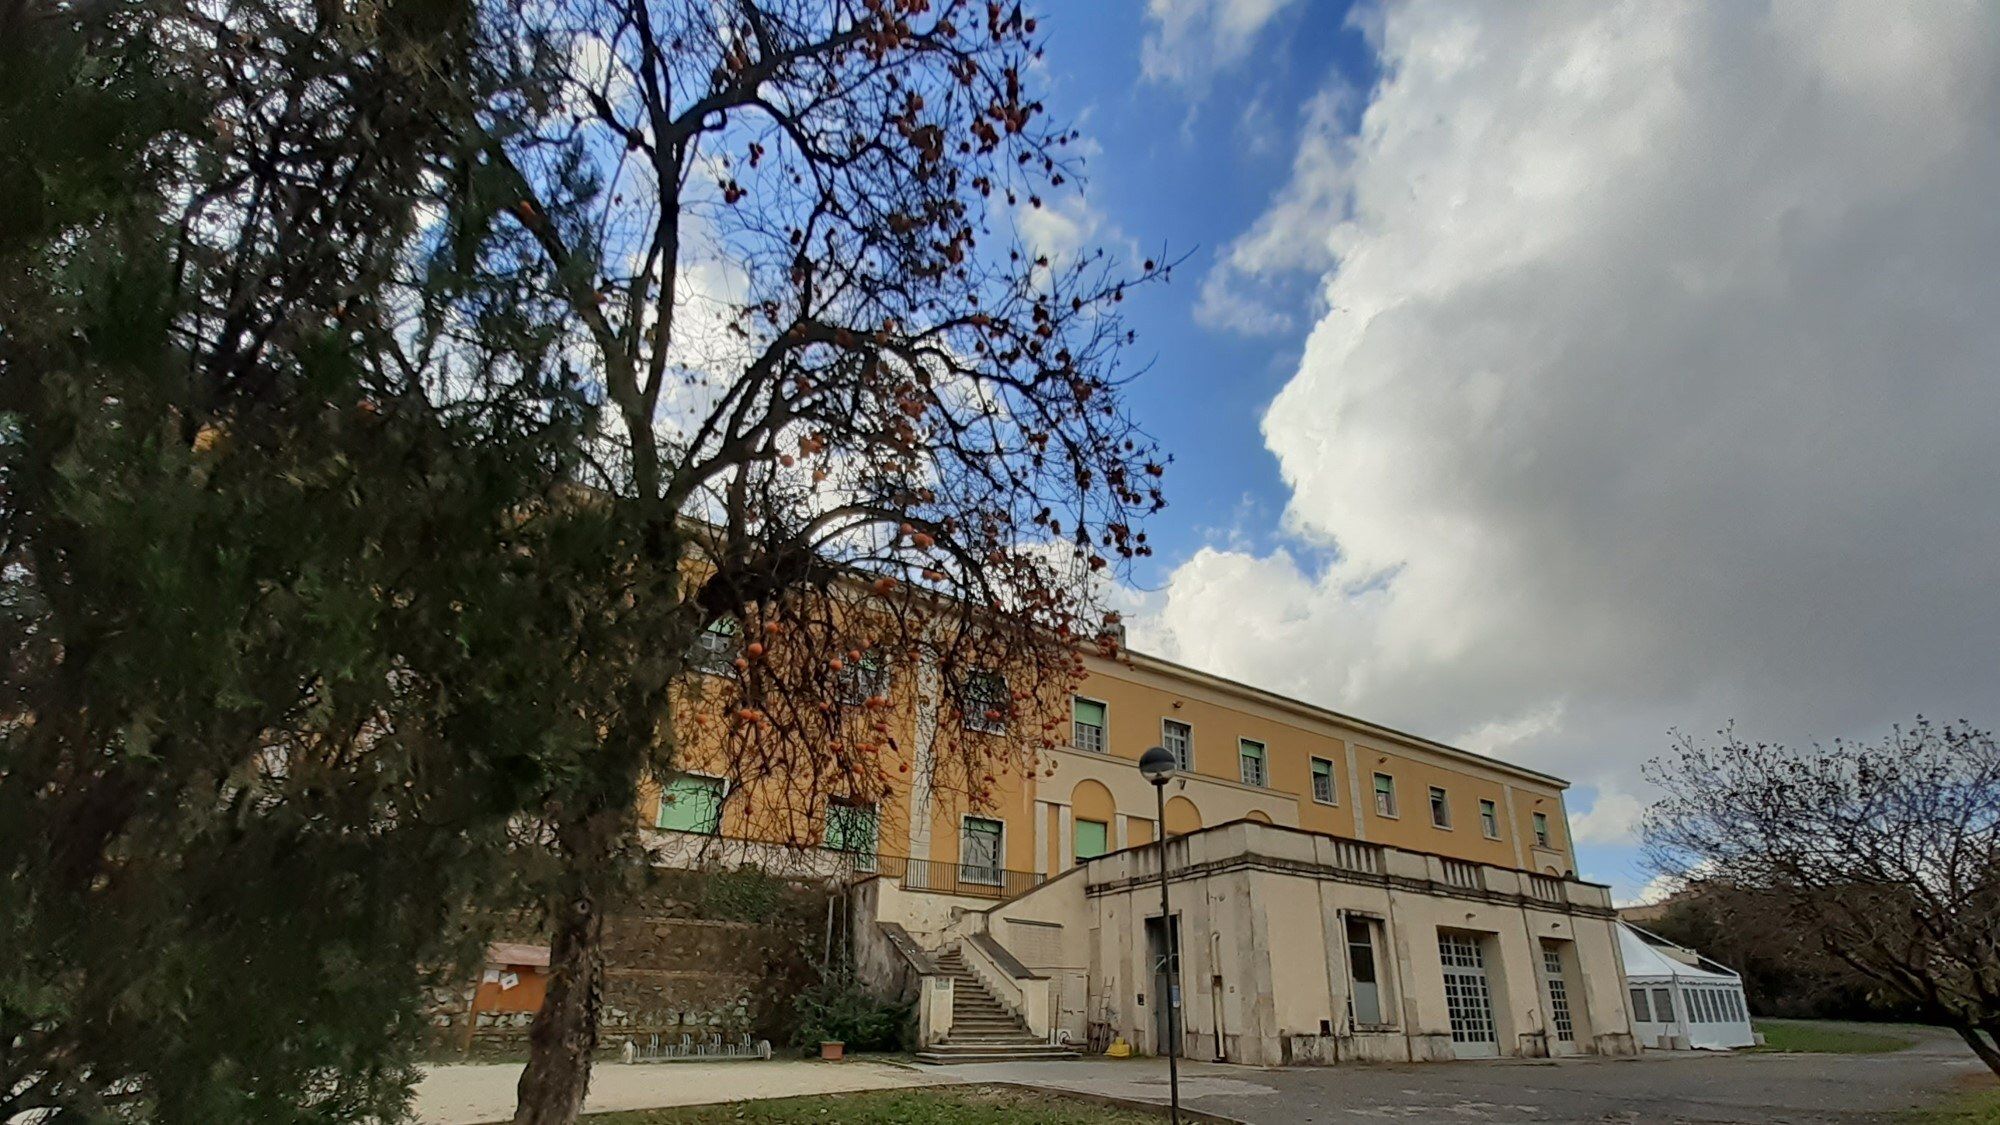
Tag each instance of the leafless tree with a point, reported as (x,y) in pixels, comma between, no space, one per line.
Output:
(852,414)
(1886,853)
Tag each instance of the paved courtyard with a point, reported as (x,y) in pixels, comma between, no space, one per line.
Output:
(1660,1088)
(1709,1089)
(474,1093)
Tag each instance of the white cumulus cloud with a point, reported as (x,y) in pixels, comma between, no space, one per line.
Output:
(1192,40)
(1655,382)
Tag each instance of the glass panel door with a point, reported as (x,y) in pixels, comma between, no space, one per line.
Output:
(1467,1001)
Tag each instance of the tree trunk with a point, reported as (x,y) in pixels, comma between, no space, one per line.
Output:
(564,1034)
(1987,1047)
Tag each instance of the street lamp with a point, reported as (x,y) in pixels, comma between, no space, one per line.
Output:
(1157,765)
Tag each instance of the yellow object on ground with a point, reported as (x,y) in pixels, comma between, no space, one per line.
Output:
(1119,1049)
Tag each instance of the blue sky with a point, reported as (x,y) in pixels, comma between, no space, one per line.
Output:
(1184,172)
(1549,378)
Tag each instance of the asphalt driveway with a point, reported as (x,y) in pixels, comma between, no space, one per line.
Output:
(1692,1088)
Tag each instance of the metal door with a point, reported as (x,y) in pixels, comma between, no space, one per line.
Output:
(1466,998)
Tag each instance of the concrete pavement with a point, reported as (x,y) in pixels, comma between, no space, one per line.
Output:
(1712,1089)
(1706,1088)
(473,1093)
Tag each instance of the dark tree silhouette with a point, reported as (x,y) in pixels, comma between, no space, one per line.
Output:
(848,408)
(1887,854)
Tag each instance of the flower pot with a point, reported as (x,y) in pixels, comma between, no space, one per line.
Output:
(832,1050)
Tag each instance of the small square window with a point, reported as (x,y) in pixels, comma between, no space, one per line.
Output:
(1323,790)
(860,682)
(1385,795)
(1250,753)
(714,649)
(983,697)
(1178,738)
(1087,725)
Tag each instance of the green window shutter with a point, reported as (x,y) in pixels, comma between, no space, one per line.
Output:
(692,804)
(1089,711)
(1091,839)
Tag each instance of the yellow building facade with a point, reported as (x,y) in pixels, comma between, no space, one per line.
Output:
(1246,754)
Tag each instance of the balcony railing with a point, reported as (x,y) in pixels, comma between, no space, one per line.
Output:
(971,880)
(968,879)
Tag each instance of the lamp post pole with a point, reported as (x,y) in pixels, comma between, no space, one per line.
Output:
(1158,765)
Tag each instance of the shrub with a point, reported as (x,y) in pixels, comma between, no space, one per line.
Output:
(839,1008)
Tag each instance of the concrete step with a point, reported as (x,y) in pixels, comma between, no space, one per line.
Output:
(947,1053)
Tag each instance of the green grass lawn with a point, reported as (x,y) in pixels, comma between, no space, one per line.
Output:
(977,1105)
(1980,1107)
(1827,1038)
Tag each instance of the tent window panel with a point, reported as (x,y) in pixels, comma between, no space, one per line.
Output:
(1663,1005)
(1640,1012)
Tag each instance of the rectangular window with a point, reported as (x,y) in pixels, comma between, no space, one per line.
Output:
(715,647)
(864,681)
(851,826)
(1323,782)
(1366,1003)
(1385,795)
(1663,1005)
(1489,819)
(1640,1014)
(1087,725)
(1251,753)
(1178,737)
(1542,829)
(691,803)
(1092,839)
(1440,808)
(984,698)
(979,851)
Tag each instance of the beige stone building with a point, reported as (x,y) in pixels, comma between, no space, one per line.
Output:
(1341,890)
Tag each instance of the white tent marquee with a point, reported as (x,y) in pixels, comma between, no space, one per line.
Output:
(1680,999)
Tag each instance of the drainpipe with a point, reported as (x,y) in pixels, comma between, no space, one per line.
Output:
(1215,987)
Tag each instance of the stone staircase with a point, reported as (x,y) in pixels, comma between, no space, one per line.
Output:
(983,1029)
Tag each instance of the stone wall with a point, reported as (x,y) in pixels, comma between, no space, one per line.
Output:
(700,953)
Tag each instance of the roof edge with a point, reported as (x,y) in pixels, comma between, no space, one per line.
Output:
(1315,711)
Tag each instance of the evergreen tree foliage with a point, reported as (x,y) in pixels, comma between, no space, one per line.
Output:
(275,537)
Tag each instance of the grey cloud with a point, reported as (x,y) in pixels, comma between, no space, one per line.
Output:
(1661,386)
